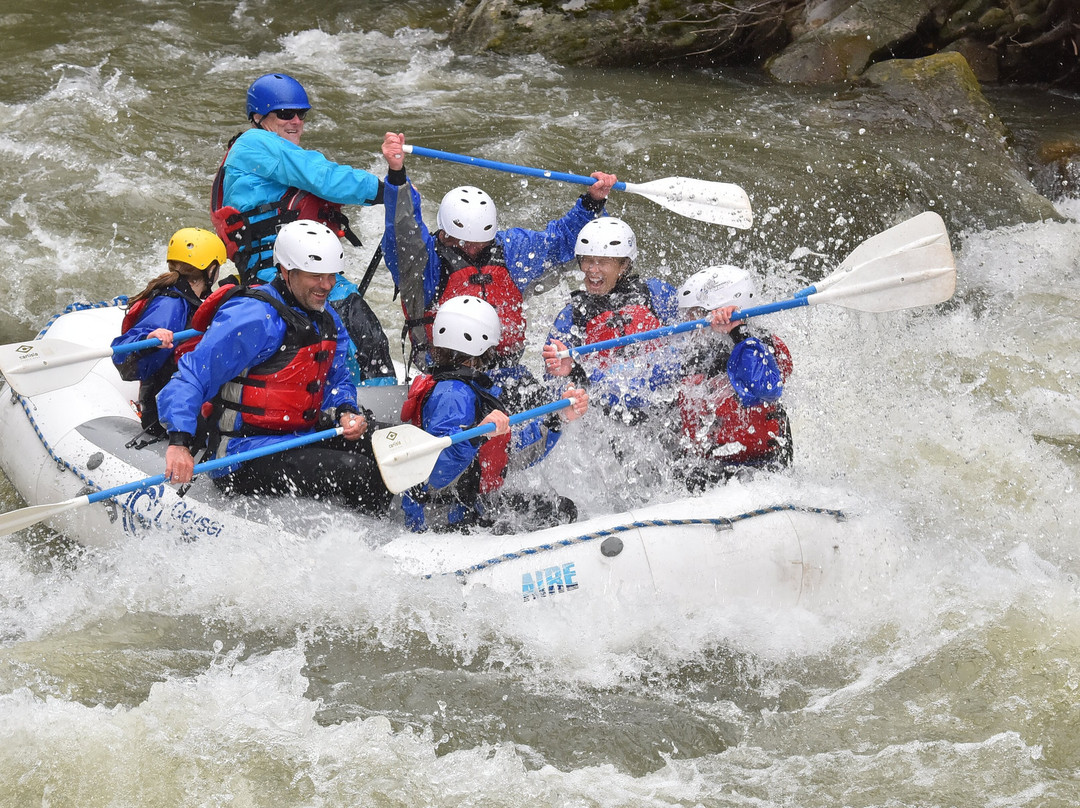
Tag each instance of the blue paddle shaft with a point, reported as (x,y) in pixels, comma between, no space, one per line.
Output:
(768,308)
(527,415)
(641,336)
(178,336)
(667,330)
(228,460)
(508,167)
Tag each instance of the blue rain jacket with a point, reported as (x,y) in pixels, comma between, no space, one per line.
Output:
(529,253)
(163,311)
(450,408)
(261,166)
(244,333)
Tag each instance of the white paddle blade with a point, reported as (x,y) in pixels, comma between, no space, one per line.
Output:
(41,365)
(918,287)
(905,266)
(891,246)
(713,202)
(406,455)
(14,521)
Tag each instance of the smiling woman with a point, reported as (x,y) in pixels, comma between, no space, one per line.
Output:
(615,302)
(267,179)
(606,248)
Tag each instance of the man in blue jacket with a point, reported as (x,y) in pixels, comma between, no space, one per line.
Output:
(267,180)
(272,362)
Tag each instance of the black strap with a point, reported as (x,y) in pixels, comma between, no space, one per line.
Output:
(144,439)
(362,287)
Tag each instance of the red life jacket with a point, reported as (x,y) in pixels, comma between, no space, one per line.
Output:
(493,455)
(631,319)
(722,429)
(244,238)
(782,356)
(135,311)
(285,392)
(490,282)
(200,320)
(134,314)
(627,309)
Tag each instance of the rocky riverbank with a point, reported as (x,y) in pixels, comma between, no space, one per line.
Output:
(934,55)
(796,41)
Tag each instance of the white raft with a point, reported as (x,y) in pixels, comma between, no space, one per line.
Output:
(727,544)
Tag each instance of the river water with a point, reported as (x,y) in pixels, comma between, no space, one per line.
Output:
(313,675)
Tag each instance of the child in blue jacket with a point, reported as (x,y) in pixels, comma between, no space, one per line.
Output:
(464,486)
(164,307)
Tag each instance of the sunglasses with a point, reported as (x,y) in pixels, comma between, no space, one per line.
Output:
(288,114)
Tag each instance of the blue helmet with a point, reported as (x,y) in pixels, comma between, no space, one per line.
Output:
(275,91)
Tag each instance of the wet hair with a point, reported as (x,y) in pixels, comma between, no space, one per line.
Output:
(177,270)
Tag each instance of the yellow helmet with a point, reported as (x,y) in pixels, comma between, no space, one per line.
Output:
(197,247)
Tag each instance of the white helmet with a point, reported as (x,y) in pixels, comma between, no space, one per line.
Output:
(310,246)
(716,287)
(607,236)
(467,324)
(467,213)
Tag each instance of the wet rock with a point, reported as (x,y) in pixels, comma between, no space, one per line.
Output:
(940,93)
(800,41)
(817,14)
(981,58)
(621,33)
(1057,168)
(841,48)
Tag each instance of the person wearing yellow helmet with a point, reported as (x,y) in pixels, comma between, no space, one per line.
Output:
(165,306)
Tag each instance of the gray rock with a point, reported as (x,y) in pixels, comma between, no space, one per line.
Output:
(621,33)
(941,93)
(840,49)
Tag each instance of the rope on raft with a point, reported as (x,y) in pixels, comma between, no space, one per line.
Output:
(119,300)
(721,523)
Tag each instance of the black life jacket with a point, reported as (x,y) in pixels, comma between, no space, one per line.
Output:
(244,238)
